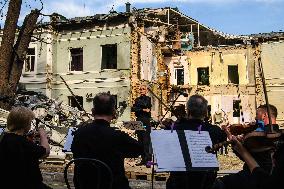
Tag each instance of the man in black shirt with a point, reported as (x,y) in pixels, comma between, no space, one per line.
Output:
(19,157)
(197,111)
(263,158)
(100,141)
(142,109)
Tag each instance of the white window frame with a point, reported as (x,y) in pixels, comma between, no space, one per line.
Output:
(31,46)
(175,75)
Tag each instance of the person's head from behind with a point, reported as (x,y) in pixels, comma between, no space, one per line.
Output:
(197,107)
(143,89)
(20,119)
(262,114)
(104,105)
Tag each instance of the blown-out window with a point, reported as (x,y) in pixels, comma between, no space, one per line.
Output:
(76,59)
(109,56)
(203,76)
(29,64)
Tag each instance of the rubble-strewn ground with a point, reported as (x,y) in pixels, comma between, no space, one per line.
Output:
(53,173)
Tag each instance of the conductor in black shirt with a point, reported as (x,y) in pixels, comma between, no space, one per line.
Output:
(142,109)
(100,141)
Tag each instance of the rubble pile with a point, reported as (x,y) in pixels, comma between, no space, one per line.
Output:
(53,115)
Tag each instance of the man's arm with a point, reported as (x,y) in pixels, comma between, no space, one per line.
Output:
(44,141)
(129,147)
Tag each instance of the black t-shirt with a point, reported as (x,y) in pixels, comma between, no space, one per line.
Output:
(19,159)
(100,141)
(142,102)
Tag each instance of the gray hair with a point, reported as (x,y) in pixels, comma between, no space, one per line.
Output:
(197,107)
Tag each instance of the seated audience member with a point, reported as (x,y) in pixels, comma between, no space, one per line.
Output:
(197,111)
(19,157)
(99,141)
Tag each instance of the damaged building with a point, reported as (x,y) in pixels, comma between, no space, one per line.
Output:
(174,53)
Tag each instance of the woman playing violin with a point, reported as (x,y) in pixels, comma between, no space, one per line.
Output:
(19,156)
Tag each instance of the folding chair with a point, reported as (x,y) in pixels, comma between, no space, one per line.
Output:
(98,166)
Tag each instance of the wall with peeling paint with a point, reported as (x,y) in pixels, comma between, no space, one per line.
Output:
(92,79)
(37,80)
(220,94)
(272,57)
(218,62)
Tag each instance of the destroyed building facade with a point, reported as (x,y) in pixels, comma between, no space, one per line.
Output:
(170,51)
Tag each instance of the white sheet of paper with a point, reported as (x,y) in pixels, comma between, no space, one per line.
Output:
(69,140)
(167,151)
(168,154)
(1,130)
(196,144)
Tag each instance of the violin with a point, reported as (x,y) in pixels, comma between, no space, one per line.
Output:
(254,141)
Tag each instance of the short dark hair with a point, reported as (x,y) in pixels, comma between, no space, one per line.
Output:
(197,106)
(273,109)
(103,104)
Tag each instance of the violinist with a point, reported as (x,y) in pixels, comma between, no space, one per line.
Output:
(19,156)
(263,158)
(259,178)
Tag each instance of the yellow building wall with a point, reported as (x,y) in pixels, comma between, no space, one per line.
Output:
(218,65)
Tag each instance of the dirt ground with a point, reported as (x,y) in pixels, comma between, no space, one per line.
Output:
(53,172)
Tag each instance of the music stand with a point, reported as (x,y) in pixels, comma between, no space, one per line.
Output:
(2,129)
(182,151)
(69,140)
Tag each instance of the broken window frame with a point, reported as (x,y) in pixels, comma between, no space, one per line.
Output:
(79,58)
(237,108)
(205,80)
(31,60)
(176,78)
(233,79)
(105,64)
(72,102)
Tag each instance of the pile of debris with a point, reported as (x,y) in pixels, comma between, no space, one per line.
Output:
(53,115)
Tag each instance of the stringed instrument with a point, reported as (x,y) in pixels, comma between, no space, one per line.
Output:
(255,141)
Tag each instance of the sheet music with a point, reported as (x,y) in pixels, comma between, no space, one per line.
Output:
(167,151)
(1,130)
(69,139)
(196,144)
